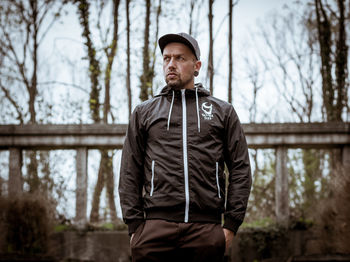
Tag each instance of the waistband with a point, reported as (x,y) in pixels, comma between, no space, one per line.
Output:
(178,216)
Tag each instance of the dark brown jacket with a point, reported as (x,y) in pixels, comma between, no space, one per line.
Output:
(174,158)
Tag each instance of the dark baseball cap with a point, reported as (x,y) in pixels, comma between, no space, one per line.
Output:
(180,38)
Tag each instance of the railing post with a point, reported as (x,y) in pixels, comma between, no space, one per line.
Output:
(346,158)
(281,187)
(81,187)
(15,172)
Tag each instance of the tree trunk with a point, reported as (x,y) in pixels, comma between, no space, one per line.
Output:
(128,81)
(229,91)
(159,10)
(341,64)
(108,162)
(325,41)
(33,177)
(334,91)
(94,64)
(111,52)
(211,51)
(94,72)
(191,15)
(105,173)
(146,74)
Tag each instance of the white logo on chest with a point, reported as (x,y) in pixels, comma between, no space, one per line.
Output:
(207,111)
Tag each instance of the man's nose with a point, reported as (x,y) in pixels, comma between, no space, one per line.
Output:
(172,63)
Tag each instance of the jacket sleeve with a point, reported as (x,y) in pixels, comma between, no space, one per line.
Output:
(131,173)
(237,162)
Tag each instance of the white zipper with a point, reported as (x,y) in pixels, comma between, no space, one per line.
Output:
(184,142)
(152,179)
(217,178)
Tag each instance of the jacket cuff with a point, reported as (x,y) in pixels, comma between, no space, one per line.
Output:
(133,225)
(232,224)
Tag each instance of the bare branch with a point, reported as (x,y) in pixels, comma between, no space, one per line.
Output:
(55,17)
(13,103)
(64,84)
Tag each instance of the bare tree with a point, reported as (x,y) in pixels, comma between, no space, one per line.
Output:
(155,46)
(211,47)
(23,28)
(192,5)
(256,80)
(289,58)
(332,24)
(128,80)
(291,50)
(230,45)
(334,89)
(110,50)
(94,64)
(195,16)
(262,186)
(147,74)
(229,91)
(105,174)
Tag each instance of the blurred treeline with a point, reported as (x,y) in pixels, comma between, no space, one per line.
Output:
(299,55)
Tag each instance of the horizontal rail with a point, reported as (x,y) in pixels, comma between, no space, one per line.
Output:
(293,135)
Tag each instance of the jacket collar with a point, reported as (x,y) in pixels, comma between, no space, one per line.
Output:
(200,89)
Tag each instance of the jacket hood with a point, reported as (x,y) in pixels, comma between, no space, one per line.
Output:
(200,90)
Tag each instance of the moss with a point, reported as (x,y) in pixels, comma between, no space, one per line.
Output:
(61,228)
(108,226)
(263,222)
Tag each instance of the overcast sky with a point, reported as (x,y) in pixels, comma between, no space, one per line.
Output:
(65,44)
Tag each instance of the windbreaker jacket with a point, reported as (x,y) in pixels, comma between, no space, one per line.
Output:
(173,161)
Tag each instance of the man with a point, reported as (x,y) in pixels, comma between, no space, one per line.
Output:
(172,181)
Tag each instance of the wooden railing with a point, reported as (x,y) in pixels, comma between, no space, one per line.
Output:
(280,136)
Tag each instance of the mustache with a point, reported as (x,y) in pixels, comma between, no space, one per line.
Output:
(171,73)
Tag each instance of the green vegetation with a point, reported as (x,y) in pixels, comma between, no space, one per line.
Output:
(263,222)
(61,228)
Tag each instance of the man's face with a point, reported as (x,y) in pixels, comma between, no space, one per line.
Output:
(179,64)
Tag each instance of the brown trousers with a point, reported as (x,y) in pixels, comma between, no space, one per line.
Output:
(163,241)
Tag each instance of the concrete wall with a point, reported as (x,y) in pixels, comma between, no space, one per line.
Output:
(248,246)
(91,246)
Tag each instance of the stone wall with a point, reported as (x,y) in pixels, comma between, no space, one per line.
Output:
(100,246)
(248,246)
(274,245)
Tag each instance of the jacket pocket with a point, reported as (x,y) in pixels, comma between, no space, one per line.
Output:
(152,179)
(217,178)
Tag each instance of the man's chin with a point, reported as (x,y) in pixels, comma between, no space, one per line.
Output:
(175,84)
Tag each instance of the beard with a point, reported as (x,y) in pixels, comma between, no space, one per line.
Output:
(177,84)
(174,84)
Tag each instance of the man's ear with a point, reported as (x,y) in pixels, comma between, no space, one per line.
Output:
(197,65)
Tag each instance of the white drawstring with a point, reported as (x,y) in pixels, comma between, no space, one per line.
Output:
(198,118)
(171,108)
(197,107)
